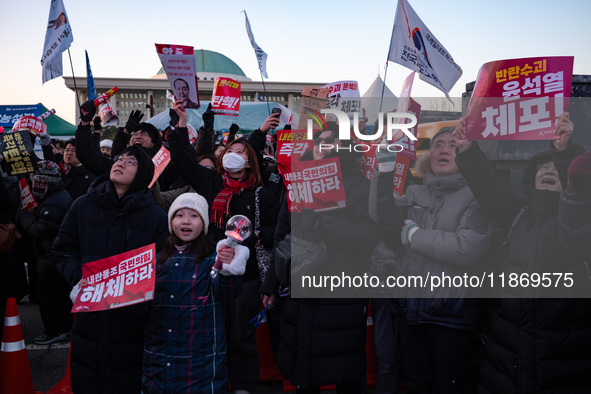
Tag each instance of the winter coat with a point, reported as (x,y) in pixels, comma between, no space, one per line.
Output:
(77,180)
(43,224)
(107,346)
(185,348)
(453,236)
(533,344)
(323,339)
(209,183)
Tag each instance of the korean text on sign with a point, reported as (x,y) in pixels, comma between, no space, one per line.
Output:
(118,281)
(519,99)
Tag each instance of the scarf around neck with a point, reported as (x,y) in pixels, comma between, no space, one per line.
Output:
(220,208)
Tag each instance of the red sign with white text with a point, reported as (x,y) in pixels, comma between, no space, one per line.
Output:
(160,160)
(403,104)
(117,281)
(291,145)
(226,97)
(519,99)
(28,201)
(33,123)
(315,184)
(400,171)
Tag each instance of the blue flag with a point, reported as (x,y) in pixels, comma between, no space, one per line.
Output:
(90,80)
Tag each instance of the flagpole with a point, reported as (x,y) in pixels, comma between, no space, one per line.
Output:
(383,86)
(266,96)
(74,78)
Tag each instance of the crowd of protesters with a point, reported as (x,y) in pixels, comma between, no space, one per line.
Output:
(197,335)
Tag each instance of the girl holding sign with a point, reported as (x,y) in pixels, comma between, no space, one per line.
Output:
(185,348)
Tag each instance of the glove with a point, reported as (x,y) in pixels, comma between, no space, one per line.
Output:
(97,123)
(234,128)
(134,120)
(311,219)
(579,175)
(408,230)
(386,158)
(44,139)
(208,118)
(174,117)
(87,111)
(238,265)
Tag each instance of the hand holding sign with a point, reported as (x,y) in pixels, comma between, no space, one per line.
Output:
(181,112)
(460,135)
(564,130)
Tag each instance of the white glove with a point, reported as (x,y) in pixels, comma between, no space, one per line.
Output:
(238,265)
(408,230)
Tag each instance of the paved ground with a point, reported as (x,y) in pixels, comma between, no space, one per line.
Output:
(48,363)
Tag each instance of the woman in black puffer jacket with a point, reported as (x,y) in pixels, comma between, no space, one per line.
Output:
(533,344)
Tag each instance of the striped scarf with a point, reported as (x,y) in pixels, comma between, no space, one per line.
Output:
(220,208)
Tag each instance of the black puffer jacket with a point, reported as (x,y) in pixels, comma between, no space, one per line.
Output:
(323,339)
(209,183)
(77,180)
(107,346)
(43,224)
(533,344)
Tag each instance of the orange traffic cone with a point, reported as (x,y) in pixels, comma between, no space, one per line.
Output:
(15,373)
(64,386)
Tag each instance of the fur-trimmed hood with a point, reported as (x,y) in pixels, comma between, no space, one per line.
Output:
(423,164)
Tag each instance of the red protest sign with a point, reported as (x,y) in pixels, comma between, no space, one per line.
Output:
(400,171)
(117,281)
(179,64)
(291,145)
(33,123)
(225,99)
(409,148)
(519,99)
(315,184)
(27,199)
(160,160)
(403,105)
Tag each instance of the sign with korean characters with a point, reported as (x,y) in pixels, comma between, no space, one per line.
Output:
(226,97)
(10,114)
(344,96)
(179,64)
(160,160)
(291,145)
(315,184)
(28,202)
(117,281)
(519,99)
(18,152)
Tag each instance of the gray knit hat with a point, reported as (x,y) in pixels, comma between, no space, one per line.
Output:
(192,201)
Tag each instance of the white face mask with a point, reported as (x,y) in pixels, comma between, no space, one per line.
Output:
(233,162)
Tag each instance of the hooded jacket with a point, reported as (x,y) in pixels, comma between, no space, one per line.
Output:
(533,344)
(107,346)
(43,224)
(453,236)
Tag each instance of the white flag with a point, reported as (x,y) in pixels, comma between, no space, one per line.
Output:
(413,46)
(58,38)
(261,55)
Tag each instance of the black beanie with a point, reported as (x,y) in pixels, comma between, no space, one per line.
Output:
(145,169)
(152,131)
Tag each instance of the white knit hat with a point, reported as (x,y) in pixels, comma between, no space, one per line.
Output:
(192,201)
(106,144)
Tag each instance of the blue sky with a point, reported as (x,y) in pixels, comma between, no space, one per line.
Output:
(307,41)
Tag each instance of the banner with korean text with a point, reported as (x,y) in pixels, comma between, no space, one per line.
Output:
(160,160)
(28,202)
(344,96)
(179,64)
(117,281)
(291,143)
(18,152)
(226,96)
(519,99)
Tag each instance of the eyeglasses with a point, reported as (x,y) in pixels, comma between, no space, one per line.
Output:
(328,140)
(70,150)
(126,161)
(142,133)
